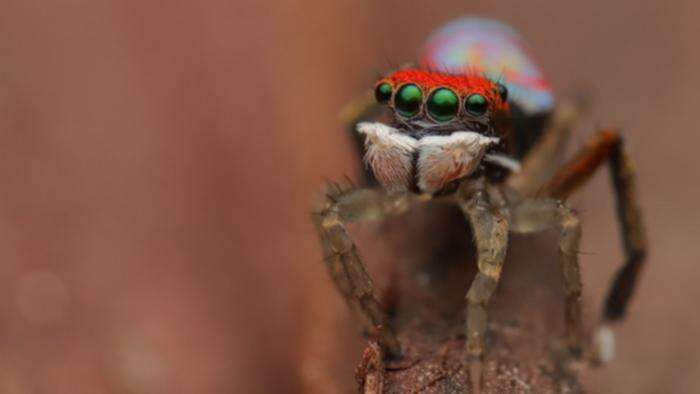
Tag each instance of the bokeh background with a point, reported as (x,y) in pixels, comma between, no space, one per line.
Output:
(158,161)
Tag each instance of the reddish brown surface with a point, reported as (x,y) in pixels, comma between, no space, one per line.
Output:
(158,161)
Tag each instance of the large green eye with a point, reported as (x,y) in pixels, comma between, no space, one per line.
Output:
(477,105)
(408,100)
(443,104)
(382,93)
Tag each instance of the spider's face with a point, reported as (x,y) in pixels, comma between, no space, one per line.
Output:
(432,103)
(444,125)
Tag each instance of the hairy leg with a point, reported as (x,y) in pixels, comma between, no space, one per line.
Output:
(607,146)
(490,227)
(536,215)
(344,263)
(542,162)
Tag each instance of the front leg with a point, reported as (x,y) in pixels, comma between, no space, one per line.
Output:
(344,263)
(490,224)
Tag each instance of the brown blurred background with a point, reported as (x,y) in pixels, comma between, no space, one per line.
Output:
(158,162)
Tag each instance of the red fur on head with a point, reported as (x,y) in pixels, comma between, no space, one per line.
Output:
(463,84)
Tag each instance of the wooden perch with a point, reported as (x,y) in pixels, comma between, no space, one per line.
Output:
(426,300)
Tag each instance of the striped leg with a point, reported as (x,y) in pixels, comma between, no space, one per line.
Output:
(344,263)
(490,227)
(607,146)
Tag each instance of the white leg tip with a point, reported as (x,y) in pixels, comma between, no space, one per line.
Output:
(605,342)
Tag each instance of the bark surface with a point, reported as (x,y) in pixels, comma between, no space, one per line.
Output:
(426,297)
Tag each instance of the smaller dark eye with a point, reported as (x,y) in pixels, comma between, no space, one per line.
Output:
(408,100)
(502,91)
(383,93)
(476,104)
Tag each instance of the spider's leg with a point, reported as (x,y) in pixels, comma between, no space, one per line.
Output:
(608,146)
(344,263)
(535,215)
(490,223)
(543,160)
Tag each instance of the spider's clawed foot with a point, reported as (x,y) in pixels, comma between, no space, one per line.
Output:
(476,373)
(564,352)
(603,346)
(574,344)
(386,339)
(598,350)
(595,351)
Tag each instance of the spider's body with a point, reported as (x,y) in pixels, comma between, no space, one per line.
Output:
(458,134)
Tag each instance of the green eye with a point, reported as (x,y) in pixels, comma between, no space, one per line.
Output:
(476,104)
(443,104)
(408,100)
(383,93)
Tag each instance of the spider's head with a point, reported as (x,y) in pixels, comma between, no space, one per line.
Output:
(444,127)
(434,103)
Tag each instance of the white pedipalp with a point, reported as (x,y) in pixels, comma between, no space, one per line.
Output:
(389,153)
(442,159)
